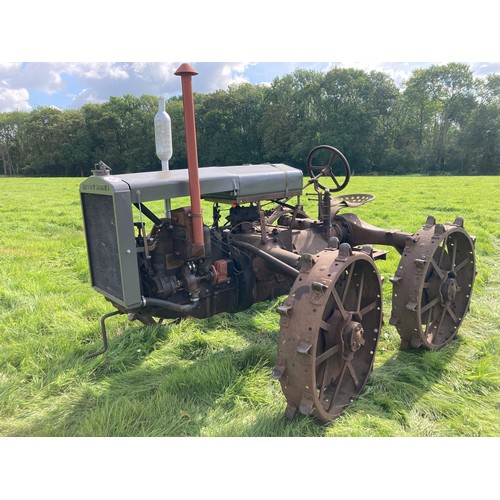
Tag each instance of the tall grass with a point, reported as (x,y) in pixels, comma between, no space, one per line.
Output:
(212,377)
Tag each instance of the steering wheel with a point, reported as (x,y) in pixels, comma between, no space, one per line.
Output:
(342,167)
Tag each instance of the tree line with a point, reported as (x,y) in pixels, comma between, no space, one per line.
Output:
(442,121)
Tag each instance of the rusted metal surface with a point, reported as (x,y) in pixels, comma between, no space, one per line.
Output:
(433,284)
(329,329)
(186,72)
(336,166)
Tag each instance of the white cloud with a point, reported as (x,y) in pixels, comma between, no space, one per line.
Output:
(214,75)
(402,71)
(98,71)
(102,80)
(482,69)
(45,77)
(155,73)
(86,97)
(7,69)
(156,78)
(14,99)
(399,72)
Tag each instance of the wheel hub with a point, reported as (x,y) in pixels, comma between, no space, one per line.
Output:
(449,289)
(355,336)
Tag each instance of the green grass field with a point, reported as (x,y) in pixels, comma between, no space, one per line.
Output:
(212,377)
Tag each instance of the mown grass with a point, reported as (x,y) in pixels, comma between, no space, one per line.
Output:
(212,377)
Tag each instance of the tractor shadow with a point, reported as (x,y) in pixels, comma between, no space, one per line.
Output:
(184,380)
(396,386)
(384,406)
(162,380)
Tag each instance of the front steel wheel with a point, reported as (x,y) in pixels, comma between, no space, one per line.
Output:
(329,330)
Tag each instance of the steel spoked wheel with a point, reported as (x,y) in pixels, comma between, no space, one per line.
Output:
(433,285)
(329,331)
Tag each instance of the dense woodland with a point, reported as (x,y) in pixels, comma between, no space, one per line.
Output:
(442,121)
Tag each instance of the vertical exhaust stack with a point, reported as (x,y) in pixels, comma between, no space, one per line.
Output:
(186,72)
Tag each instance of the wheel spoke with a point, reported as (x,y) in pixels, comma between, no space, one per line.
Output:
(340,378)
(339,303)
(453,255)
(360,291)
(428,323)
(452,314)
(323,382)
(367,309)
(335,180)
(325,326)
(462,264)
(432,303)
(327,354)
(442,251)
(331,159)
(437,268)
(348,282)
(436,330)
(328,314)
(353,374)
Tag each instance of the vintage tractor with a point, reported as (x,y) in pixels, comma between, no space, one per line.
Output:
(268,246)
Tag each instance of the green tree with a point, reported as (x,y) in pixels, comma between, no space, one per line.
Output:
(354,115)
(437,99)
(228,125)
(45,132)
(291,118)
(74,146)
(13,141)
(58,143)
(481,136)
(121,133)
(175,109)
(442,121)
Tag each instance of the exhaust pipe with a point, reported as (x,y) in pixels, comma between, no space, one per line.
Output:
(186,72)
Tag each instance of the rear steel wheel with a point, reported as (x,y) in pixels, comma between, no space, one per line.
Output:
(433,285)
(329,331)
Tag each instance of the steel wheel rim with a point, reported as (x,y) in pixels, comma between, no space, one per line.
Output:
(340,377)
(433,286)
(446,290)
(323,367)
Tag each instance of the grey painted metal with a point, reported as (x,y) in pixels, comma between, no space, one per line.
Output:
(124,224)
(229,183)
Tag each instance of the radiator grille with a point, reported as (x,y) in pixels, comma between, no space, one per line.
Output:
(102,244)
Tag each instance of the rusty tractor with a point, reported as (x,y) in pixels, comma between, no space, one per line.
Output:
(267,247)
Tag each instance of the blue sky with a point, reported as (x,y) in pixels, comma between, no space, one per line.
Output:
(26,85)
(356,34)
